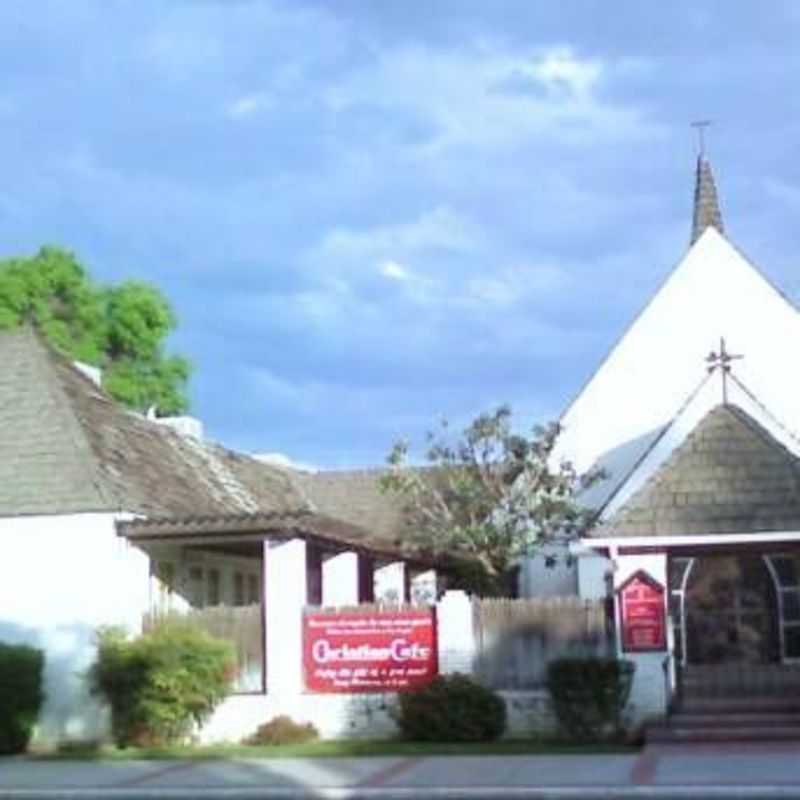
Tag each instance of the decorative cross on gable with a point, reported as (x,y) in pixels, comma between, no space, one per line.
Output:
(721,360)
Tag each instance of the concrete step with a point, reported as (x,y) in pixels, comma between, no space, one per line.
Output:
(735,719)
(752,733)
(740,705)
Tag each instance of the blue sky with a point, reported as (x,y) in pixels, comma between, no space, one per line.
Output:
(372,214)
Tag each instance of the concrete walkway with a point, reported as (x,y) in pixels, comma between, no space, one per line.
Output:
(718,771)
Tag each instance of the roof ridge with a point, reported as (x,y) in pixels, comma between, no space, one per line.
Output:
(597,516)
(54,360)
(757,428)
(229,482)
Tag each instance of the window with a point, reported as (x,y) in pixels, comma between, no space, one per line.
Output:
(196,587)
(677,574)
(786,568)
(238,589)
(253,589)
(212,596)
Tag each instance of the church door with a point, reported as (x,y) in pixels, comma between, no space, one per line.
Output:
(731,611)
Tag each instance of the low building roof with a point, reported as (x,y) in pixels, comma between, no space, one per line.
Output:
(68,447)
(327,531)
(729,476)
(356,497)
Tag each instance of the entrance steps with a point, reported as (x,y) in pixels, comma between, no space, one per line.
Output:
(730,720)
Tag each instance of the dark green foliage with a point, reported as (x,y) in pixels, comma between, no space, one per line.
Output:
(21,695)
(283,730)
(119,328)
(589,695)
(162,683)
(452,708)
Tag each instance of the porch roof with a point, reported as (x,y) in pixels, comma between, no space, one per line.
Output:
(320,528)
(729,476)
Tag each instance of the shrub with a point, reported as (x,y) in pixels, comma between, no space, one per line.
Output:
(21,695)
(162,683)
(283,730)
(589,695)
(452,708)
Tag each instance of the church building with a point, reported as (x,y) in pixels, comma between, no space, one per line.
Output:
(694,420)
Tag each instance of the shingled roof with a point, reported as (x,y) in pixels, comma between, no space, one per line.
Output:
(355,497)
(729,475)
(67,447)
(706,212)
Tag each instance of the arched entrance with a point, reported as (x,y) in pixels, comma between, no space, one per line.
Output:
(731,611)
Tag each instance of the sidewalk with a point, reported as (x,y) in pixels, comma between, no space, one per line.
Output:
(665,771)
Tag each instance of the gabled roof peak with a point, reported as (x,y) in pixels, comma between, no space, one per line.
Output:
(707,213)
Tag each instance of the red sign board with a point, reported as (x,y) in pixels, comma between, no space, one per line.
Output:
(643,614)
(380,651)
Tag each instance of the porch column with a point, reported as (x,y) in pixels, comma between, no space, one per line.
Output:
(285,594)
(340,580)
(390,583)
(649,694)
(423,587)
(366,579)
(455,633)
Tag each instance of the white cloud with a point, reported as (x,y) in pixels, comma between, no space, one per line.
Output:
(249,104)
(394,271)
(561,68)
(464,96)
(438,229)
(284,461)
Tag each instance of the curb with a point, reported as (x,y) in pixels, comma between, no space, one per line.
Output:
(663,792)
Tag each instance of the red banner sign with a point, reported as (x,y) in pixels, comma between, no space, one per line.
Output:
(381,651)
(643,614)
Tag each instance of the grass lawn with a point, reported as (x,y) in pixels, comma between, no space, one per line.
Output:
(337,749)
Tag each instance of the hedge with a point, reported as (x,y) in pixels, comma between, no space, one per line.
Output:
(21,695)
(452,708)
(161,684)
(589,695)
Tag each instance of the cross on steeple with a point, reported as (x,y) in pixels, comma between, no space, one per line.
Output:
(721,360)
(700,126)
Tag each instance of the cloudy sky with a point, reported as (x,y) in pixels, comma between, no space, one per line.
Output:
(372,214)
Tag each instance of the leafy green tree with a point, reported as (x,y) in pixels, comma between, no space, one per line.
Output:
(488,496)
(120,328)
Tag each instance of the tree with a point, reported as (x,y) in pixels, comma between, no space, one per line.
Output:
(488,496)
(119,328)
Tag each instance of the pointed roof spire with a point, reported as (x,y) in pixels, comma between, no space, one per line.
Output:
(706,203)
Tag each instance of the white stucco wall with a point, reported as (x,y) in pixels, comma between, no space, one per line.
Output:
(593,570)
(537,579)
(60,578)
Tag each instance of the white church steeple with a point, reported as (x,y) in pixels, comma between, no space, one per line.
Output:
(713,294)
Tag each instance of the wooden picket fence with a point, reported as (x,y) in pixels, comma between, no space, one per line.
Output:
(517,639)
(242,626)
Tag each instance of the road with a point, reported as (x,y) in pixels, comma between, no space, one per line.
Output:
(698,772)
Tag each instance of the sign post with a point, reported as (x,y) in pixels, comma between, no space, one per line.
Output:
(369,651)
(642,614)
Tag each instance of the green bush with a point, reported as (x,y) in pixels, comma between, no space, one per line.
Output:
(452,708)
(589,695)
(162,683)
(283,730)
(21,695)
